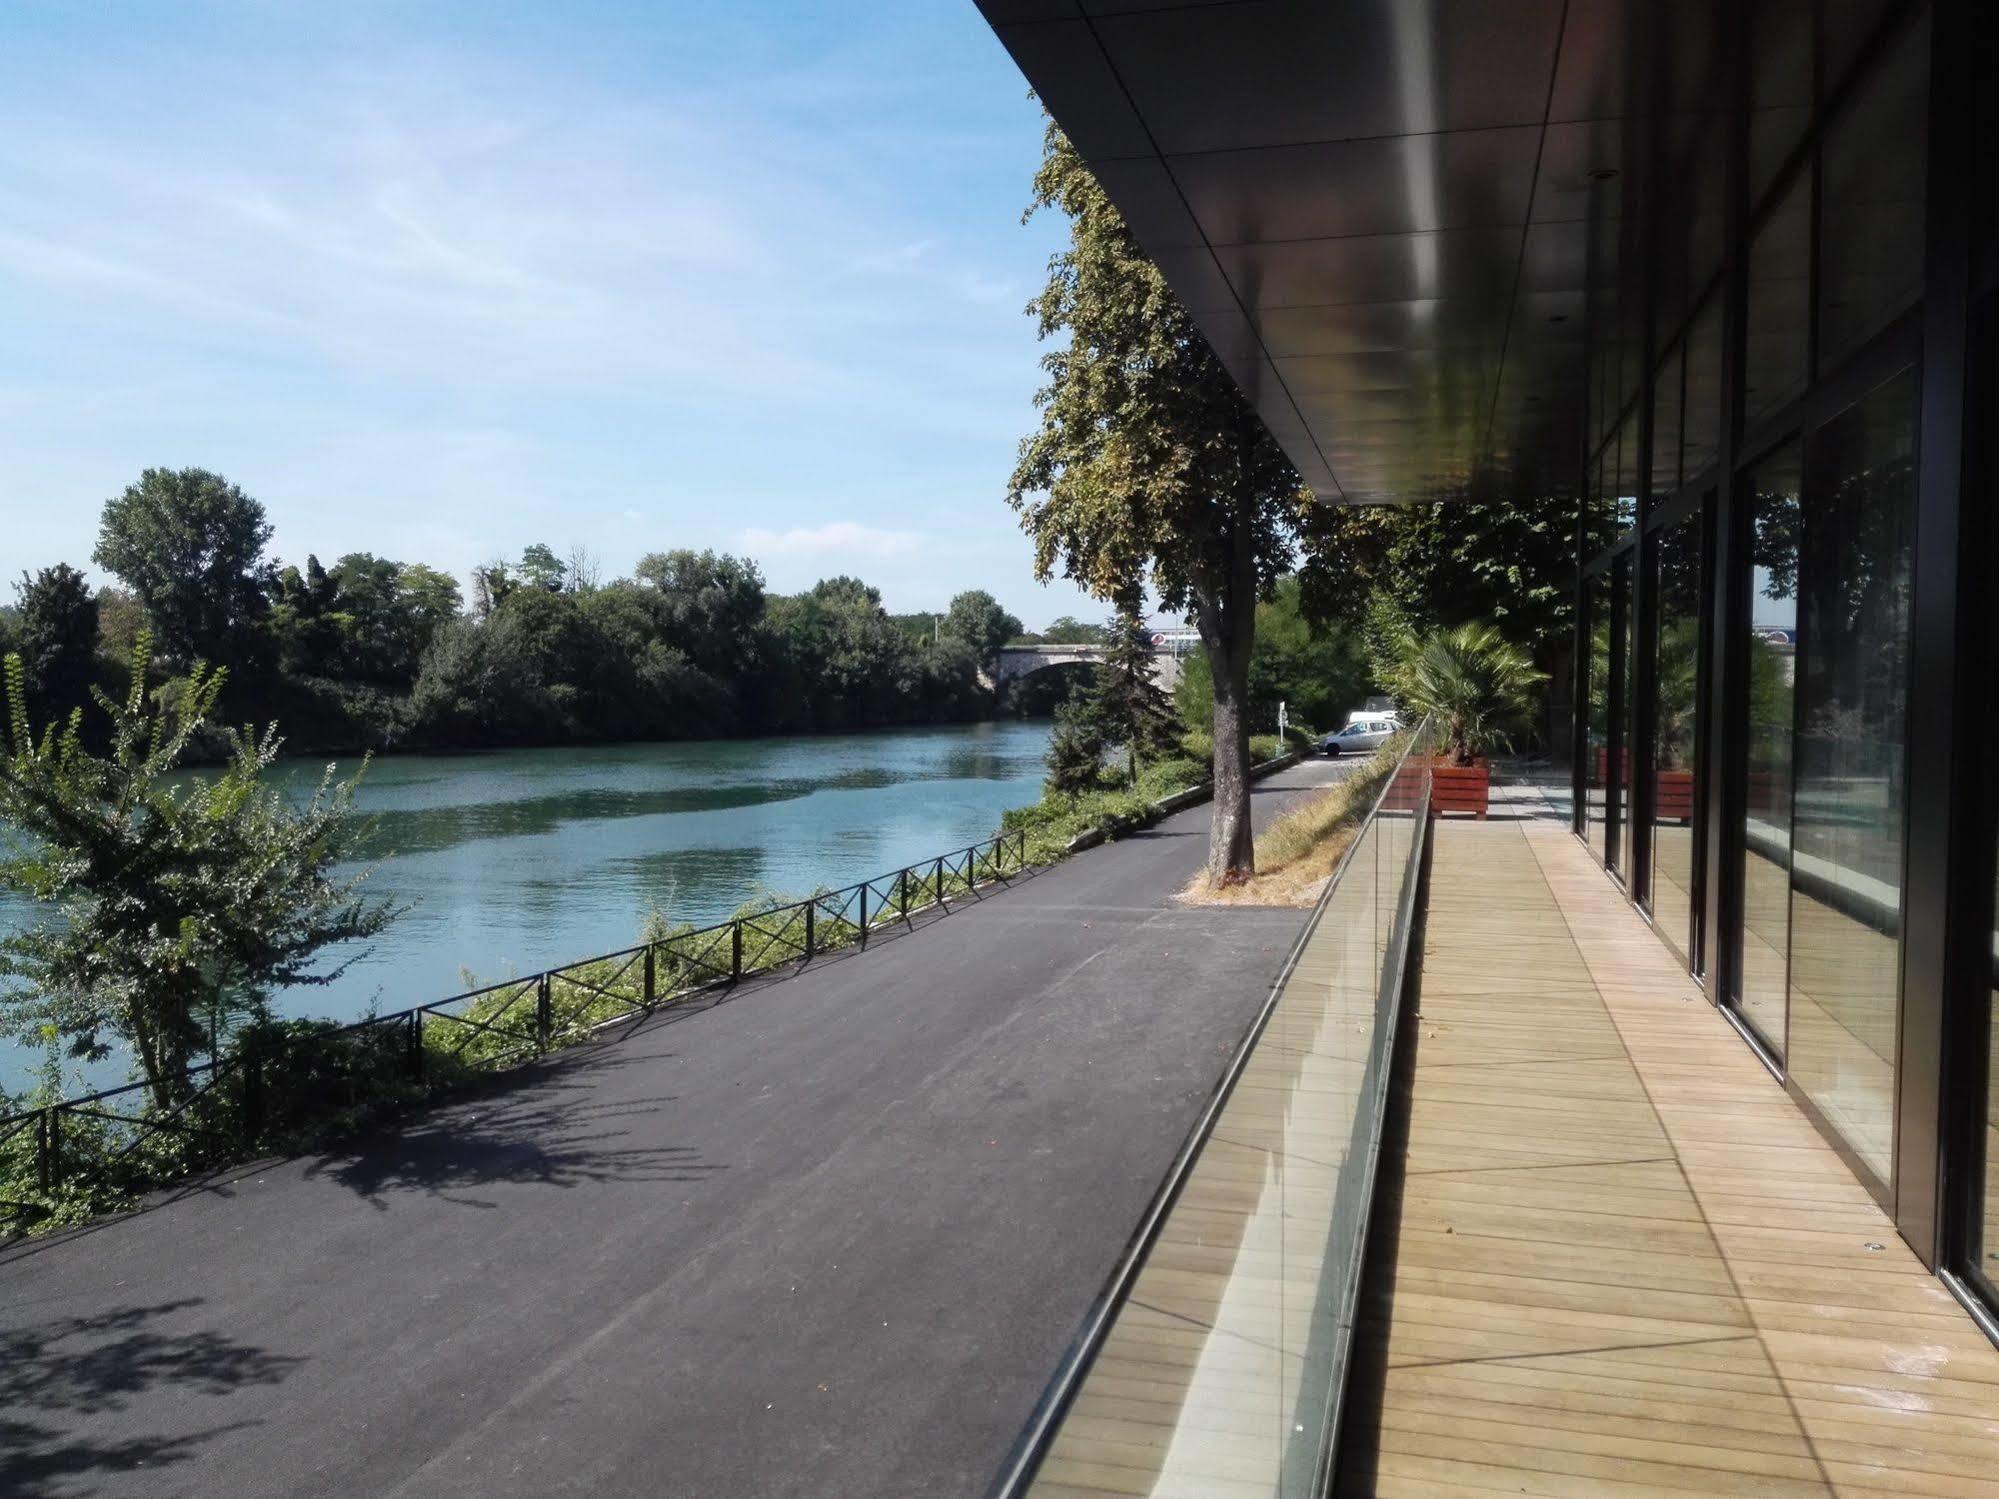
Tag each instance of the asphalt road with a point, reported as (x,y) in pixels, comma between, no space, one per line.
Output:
(828,1237)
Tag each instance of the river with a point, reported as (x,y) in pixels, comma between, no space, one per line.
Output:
(516,860)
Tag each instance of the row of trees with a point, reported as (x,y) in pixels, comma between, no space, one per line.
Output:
(370,651)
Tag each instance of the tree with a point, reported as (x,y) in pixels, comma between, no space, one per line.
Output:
(1129,709)
(1149,465)
(1391,569)
(1068,630)
(182,903)
(541,568)
(708,605)
(191,545)
(1473,682)
(1075,756)
(976,618)
(57,640)
(306,619)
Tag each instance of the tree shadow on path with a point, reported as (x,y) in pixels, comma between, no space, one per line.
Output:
(58,1376)
(538,1127)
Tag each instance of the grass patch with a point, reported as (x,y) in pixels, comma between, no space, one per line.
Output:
(1297,853)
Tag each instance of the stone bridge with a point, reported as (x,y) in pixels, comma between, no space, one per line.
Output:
(1017,661)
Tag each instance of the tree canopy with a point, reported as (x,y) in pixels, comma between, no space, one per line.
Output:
(175,907)
(1148,467)
(191,545)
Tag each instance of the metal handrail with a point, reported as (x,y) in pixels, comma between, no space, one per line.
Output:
(641,979)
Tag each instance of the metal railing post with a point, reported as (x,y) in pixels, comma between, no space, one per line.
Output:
(416,1045)
(651,979)
(810,907)
(939,877)
(543,1016)
(864,916)
(735,952)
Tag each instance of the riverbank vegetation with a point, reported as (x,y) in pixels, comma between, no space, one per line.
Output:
(374,653)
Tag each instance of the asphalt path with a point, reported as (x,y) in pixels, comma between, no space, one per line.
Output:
(830,1236)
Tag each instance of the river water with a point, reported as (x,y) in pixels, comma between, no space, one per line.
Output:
(517,860)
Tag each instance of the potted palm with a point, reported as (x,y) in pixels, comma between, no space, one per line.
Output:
(1474,685)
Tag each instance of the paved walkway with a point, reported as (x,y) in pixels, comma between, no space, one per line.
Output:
(829,1237)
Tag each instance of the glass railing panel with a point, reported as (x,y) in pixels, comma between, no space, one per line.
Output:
(1219,1358)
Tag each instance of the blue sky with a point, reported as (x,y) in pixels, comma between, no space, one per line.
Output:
(439,281)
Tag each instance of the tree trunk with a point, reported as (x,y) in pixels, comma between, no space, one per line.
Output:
(1231,846)
(1228,631)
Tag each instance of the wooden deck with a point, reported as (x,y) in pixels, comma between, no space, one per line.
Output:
(1618,1261)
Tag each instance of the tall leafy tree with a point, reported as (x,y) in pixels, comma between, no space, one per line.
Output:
(57,640)
(1149,466)
(541,568)
(191,545)
(1129,708)
(976,618)
(175,906)
(708,605)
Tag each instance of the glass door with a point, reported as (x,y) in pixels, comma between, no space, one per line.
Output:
(1847,810)
(1676,590)
(1617,766)
(1768,653)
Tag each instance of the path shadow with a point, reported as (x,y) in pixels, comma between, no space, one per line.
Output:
(537,1126)
(61,1376)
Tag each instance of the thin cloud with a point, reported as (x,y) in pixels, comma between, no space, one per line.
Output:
(841,538)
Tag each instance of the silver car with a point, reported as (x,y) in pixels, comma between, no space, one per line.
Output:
(1360,737)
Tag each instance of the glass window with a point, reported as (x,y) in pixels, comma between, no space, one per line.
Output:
(1848,24)
(1780,87)
(1597,750)
(1666,424)
(1871,246)
(1625,475)
(1617,798)
(1764,839)
(1675,679)
(1776,348)
(1701,423)
(1846,876)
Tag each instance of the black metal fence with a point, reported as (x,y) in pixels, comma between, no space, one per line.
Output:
(279,1084)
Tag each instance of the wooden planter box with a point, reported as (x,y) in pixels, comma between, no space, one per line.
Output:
(1673,796)
(1460,788)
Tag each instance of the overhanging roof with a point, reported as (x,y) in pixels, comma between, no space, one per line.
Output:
(1388,216)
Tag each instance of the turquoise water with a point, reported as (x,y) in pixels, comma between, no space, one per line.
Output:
(517,860)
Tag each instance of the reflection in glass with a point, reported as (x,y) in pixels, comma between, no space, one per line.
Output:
(1769,650)
(1597,750)
(1677,579)
(1701,424)
(1617,779)
(1625,482)
(1776,346)
(1780,87)
(1666,424)
(1871,254)
(1846,878)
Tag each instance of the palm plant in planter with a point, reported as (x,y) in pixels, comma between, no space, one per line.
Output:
(1474,685)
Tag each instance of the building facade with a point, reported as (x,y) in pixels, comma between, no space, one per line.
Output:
(1716,282)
